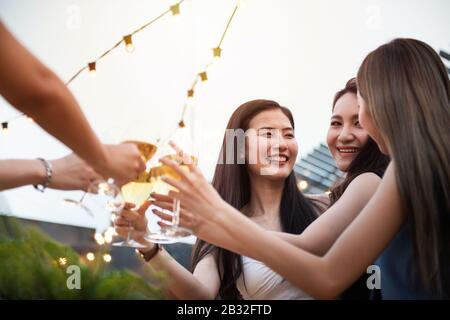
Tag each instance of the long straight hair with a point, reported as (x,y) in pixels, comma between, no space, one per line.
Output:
(407,91)
(369,159)
(233,184)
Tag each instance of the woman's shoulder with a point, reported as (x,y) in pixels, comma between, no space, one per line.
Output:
(365,183)
(367,177)
(321,201)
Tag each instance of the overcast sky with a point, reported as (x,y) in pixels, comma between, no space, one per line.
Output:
(296,52)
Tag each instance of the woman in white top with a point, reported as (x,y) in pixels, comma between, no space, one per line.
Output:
(254,175)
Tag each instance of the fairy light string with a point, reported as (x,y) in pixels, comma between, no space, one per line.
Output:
(129,46)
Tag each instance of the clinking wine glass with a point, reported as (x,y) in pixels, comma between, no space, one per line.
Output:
(138,190)
(104,199)
(170,232)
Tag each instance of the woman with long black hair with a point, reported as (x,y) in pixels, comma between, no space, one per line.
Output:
(255,176)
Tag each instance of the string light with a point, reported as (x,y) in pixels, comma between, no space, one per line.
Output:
(175,9)
(109,234)
(90,256)
(5,129)
(203,76)
(128,43)
(92,68)
(303,185)
(62,261)
(107,257)
(30,119)
(217,52)
(127,39)
(99,239)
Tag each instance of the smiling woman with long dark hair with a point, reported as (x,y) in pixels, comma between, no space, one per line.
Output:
(254,175)
(244,188)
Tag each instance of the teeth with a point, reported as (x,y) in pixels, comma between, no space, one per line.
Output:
(278,158)
(348,150)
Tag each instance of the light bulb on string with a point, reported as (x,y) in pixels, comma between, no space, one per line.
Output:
(92,69)
(303,185)
(5,129)
(175,9)
(109,234)
(203,76)
(217,52)
(30,119)
(99,238)
(90,256)
(62,261)
(107,257)
(128,43)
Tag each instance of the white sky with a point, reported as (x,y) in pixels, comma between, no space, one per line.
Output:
(298,53)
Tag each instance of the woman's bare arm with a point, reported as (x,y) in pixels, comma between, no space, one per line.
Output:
(320,235)
(35,90)
(321,277)
(354,250)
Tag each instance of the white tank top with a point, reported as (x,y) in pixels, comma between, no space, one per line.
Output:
(262,283)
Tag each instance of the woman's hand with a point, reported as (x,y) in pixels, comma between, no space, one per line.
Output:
(187,219)
(123,163)
(133,221)
(71,173)
(204,229)
(202,209)
(196,194)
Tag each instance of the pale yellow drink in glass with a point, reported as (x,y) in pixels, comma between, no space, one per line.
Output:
(138,190)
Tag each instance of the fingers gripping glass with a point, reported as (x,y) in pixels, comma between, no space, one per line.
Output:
(168,232)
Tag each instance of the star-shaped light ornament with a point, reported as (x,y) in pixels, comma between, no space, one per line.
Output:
(175,9)
(203,76)
(217,52)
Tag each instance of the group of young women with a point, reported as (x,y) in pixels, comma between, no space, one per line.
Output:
(259,237)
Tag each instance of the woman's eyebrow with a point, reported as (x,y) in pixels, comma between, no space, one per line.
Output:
(271,128)
(336,117)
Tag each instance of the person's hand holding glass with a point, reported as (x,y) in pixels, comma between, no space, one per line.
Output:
(137,191)
(169,231)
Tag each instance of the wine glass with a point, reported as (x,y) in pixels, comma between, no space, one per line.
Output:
(105,199)
(138,190)
(79,203)
(170,232)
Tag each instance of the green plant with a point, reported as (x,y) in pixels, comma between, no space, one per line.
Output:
(34,266)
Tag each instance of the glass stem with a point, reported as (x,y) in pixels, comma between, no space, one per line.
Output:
(82,198)
(129,235)
(176,213)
